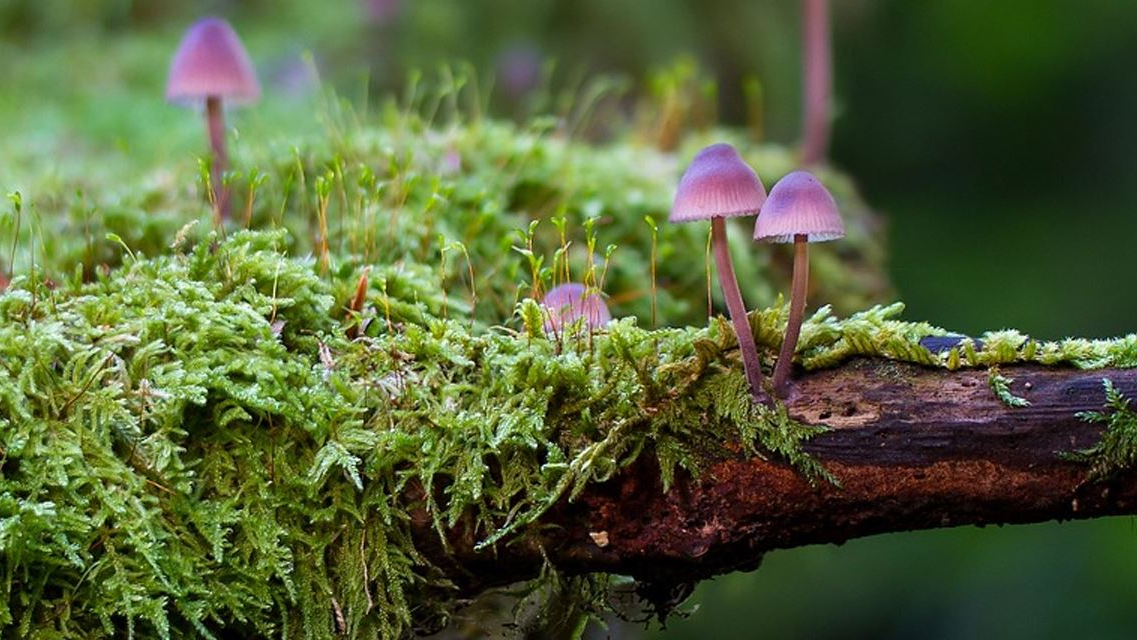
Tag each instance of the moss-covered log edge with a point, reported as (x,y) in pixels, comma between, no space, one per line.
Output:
(910,447)
(191,446)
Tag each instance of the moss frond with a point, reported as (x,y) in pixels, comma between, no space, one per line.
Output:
(1117,450)
(1001,386)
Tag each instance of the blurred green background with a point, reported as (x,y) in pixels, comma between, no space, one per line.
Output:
(997,138)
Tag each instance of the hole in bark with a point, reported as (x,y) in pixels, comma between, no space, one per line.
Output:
(850,410)
(825,415)
(697,525)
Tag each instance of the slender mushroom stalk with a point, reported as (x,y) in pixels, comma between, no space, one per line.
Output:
(216,122)
(212,66)
(817,81)
(797,311)
(800,210)
(718,185)
(750,364)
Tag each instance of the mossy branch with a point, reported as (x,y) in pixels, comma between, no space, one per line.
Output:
(225,436)
(912,447)
(191,446)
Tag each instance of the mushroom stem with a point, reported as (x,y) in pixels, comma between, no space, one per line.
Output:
(220,157)
(797,312)
(737,309)
(817,60)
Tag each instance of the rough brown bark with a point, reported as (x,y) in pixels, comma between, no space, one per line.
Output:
(913,448)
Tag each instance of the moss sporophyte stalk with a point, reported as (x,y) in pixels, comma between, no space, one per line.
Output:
(192,446)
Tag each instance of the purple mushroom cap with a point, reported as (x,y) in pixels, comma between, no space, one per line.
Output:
(799,205)
(211,62)
(568,303)
(717,184)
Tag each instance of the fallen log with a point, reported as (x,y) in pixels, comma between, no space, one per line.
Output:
(912,448)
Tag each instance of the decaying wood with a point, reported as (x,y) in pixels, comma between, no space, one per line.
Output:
(913,448)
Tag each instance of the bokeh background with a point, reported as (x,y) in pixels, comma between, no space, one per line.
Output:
(998,139)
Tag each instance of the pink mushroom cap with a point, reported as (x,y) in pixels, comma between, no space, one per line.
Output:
(568,303)
(799,205)
(211,62)
(717,184)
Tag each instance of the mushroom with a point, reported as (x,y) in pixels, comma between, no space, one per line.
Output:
(800,210)
(718,185)
(571,302)
(212,65)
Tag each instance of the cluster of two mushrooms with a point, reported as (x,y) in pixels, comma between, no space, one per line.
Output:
(718,185)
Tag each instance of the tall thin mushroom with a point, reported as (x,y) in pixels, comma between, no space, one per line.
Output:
(718,185)
(799,210)
(212,66)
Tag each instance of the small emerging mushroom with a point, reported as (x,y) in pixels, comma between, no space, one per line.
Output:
(571,302)
(212,66)
(718,185)
(799,210)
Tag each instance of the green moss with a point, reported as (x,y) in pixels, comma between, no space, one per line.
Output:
(1116,452)
(878,332)
(190,444)
(469,203)
(1001,386)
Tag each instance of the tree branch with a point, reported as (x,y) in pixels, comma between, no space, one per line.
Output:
(914,448)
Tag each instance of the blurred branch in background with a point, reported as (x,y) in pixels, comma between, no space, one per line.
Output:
(817,61)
